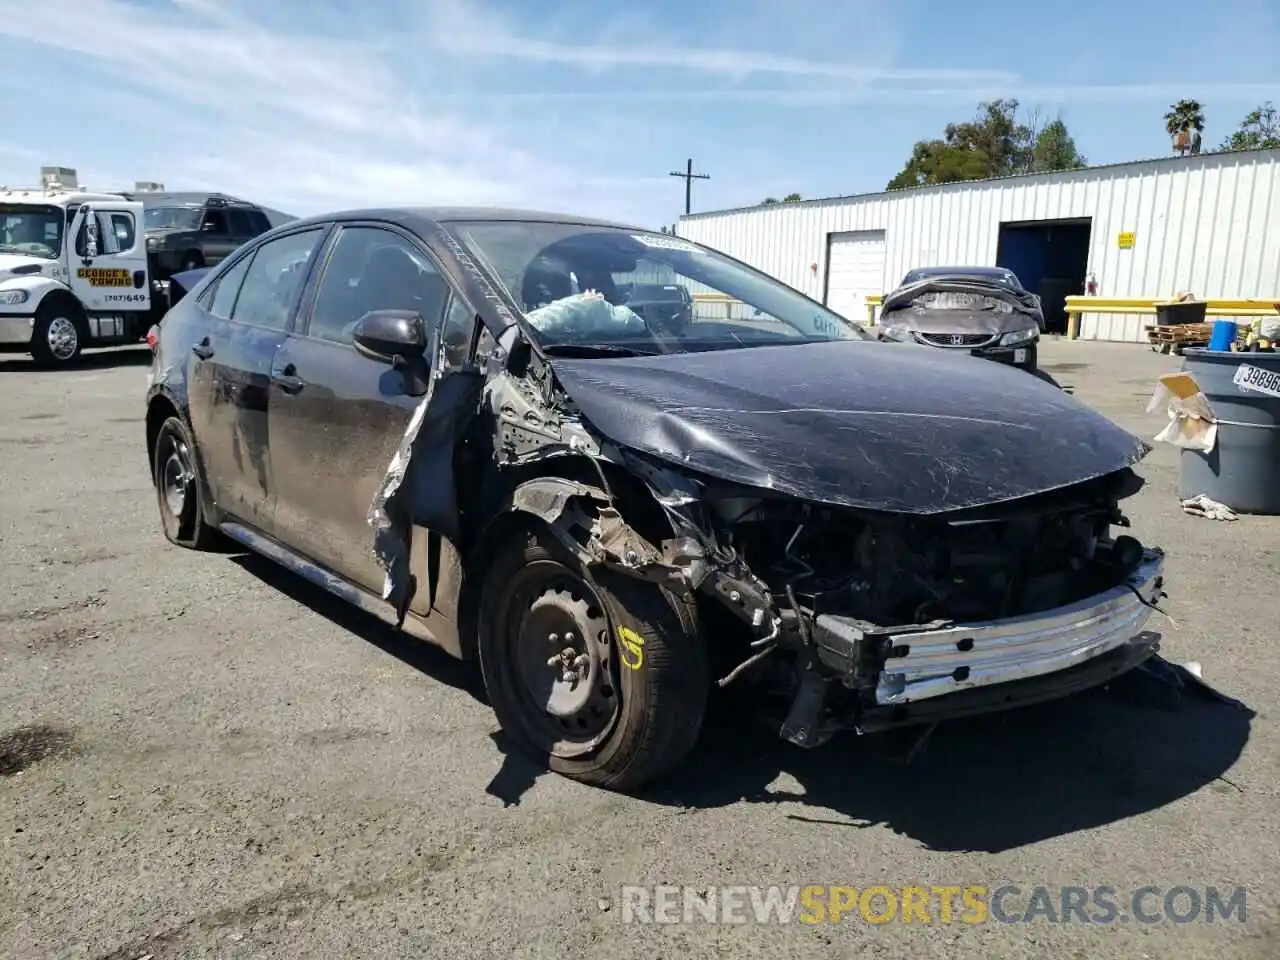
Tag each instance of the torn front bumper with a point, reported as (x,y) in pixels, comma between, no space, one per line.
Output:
(922,664)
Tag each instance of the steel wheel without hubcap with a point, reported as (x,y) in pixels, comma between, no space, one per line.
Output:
(63,338)
(559,636)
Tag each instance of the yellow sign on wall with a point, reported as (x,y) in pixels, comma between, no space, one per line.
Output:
(1126,239)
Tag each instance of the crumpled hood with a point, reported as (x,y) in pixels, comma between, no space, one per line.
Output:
(11,261)
(852,423)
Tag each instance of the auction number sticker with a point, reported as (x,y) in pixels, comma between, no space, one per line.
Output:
(1257,380)
(666,243)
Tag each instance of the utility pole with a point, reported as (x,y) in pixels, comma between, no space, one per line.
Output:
(688,177)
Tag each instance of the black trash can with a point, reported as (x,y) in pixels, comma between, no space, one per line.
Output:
(1180,312)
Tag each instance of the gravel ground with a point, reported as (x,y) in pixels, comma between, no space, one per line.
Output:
(201,756)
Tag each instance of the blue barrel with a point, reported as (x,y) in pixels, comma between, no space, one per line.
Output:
(1223,335)
(1243,468)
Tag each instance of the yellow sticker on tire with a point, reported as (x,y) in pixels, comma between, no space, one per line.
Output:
(632,645)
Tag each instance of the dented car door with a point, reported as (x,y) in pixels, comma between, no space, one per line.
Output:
(337,416)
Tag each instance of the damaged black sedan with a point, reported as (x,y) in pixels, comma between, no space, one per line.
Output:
(452,418)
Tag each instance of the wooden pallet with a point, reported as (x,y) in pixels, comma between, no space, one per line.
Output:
(1177,337)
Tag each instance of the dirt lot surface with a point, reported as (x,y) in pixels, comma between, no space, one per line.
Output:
(201,756)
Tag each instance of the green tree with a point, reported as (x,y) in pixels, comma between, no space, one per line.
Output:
(768,200)
(1260,130)
(1055,149)
(1184,123)
(996,143)
(791,198)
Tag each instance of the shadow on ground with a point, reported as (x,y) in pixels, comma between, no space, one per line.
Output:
(111,359)
(412,652)
(987,784)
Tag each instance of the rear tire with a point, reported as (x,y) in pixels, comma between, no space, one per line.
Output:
(192,261)
(179,488)
(58,336)
(641,674)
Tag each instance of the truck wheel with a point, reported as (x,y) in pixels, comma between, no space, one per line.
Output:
(176,476)
(601,677)
(57,338)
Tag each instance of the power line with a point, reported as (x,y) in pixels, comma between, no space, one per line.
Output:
(688,177)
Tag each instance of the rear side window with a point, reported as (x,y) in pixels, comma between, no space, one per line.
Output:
(258,222)
(274,279)
(227,288)
(240,225)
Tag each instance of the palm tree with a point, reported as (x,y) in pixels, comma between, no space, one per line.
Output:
(1184,123)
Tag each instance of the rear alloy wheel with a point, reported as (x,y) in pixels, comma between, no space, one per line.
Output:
(56,339)
(178,488)
(601,678)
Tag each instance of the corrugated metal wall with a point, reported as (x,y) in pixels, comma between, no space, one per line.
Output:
(1209,224)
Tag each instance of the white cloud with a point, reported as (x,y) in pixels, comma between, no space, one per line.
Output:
(309,105)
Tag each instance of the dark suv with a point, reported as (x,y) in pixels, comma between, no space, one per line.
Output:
(190,230)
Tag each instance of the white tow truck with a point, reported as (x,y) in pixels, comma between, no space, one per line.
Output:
(73,272)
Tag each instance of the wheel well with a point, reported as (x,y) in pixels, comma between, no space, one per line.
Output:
(631,496)
(63,301)
(159,410)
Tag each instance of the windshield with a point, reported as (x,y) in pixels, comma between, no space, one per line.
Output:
(597,289)
(171,218)
(33,230)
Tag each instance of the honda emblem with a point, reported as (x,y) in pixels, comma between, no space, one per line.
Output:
(957,339)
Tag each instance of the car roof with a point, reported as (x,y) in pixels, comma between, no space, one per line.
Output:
(425,216)
(965,271)
(186,199)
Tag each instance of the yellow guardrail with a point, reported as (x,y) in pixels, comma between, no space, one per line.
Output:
(1125,305)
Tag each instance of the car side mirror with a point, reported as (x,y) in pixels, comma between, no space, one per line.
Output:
(394,336)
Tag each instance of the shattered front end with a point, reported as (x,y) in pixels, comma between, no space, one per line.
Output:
(868,621)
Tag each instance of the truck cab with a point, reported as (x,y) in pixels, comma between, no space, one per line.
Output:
(73,273)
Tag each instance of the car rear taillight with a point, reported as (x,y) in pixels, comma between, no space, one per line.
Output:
(153,337)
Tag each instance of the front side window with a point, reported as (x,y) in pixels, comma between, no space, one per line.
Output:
(274,279)
(33,230)
(617,290)
(374,269)
(215,221)
(115,233)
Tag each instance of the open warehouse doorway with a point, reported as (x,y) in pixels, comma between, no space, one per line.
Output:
(1050,257)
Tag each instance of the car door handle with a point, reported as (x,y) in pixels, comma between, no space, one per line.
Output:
(202,349)
(288,379)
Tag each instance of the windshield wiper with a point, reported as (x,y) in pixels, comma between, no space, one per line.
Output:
(596,350)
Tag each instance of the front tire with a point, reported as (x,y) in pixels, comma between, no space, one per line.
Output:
(57,338)
(600,677)
(175,473)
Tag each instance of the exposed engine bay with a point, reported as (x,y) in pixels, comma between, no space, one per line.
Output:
(821,597)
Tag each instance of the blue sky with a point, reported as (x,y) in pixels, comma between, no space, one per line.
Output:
(308,105)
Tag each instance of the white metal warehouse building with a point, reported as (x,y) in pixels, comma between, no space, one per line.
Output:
(1208,224)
